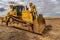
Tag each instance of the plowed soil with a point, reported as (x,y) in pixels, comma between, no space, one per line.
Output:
(52,32)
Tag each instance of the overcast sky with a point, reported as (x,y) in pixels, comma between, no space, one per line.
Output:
(49,8)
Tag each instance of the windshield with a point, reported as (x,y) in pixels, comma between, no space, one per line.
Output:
(19,9)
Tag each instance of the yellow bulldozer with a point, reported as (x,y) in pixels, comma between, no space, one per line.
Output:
(21,17)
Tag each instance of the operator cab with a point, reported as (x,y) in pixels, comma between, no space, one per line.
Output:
(19,9)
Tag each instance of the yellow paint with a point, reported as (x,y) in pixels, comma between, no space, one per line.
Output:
(27,16)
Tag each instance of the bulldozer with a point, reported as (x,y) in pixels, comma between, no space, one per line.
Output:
(22,18)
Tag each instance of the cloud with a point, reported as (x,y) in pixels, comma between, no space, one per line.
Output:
(46,7)
(4,0)
(2,9)
(11,2)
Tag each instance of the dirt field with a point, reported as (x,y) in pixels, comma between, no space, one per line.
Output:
(52,32)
